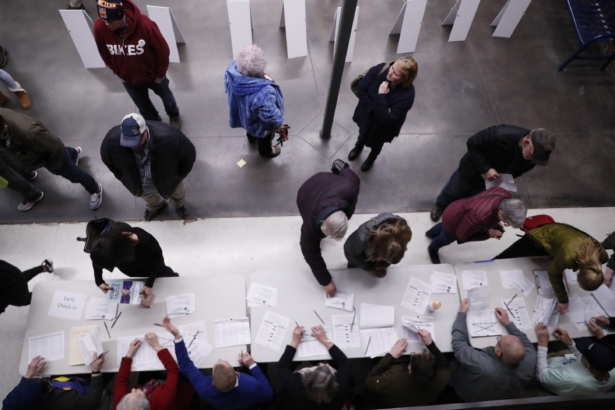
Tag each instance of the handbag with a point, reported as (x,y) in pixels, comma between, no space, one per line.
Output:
(354,84)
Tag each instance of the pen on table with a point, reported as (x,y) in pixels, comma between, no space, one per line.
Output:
(116,318)
(105,323)
(195,335)
(323,322)
(158,324)
(353,316)
(367,348)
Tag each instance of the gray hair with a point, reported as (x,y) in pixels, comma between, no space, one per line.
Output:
(251,61)
(335,225)
(139,403)
(514,211)
(320,385)
(543,139)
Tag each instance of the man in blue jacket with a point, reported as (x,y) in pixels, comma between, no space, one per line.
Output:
(225,388)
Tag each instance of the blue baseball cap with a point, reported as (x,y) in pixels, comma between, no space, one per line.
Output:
(599,355)
(133,126)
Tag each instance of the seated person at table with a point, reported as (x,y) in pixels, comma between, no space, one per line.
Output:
(589,369)
(326,202)
(36,391)
(476,218)
(568,248)
(14,283)
(225,389)
(173,393)
(320,387)
(378,243)
(417,382)
(492,373)
(134,252)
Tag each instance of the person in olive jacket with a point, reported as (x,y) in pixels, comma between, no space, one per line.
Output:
(326,202)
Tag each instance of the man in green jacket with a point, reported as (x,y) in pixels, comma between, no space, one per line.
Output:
(30,143)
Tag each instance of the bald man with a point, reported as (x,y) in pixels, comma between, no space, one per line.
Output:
(493,373)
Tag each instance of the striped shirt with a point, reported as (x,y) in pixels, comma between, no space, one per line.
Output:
(145,167)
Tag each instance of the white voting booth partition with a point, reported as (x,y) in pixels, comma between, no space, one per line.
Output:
(293,21)
(508,18)
(335,29)
(240,22)
(163,17)
(408,25)
(461,16)
(80,25)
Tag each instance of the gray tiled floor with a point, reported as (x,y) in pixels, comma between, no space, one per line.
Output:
(461,88)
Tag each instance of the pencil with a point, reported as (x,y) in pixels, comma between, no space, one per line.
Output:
(297,323)
(116,318)
(353,316)
(367,348)
(323,322)
(109,334)
(158,324)
(197,333)
(513,298)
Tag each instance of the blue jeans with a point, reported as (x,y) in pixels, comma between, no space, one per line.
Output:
(70,171)
(455,189)
(8,80)
(140,96)
(440,238)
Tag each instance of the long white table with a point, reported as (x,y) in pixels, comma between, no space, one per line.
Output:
(497,293)
(217,297)
(299,294)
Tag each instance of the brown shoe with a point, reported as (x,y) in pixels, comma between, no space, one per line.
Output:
(436,213)
(24,99)
(3,99)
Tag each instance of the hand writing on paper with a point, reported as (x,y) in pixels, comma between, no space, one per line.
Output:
(330,289)
(98,362)
(105,288)
(465,305)
(542,334)
(132,349)
(595,329)
(245,359)
(166,323)
(491,175)
(425,337)
(502,316)
(35,366)
(297,335)
(562,308)
(561,334)
(398,348)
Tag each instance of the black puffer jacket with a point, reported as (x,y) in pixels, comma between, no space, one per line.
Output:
(495,147)
(172,158)
(354,247)
(319,197)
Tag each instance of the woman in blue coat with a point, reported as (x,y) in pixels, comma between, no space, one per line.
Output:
(255,101)
(385,97)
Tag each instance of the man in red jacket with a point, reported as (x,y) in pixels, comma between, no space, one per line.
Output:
(133,48)
(477,218)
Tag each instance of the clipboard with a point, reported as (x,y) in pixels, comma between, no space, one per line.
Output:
(546,289)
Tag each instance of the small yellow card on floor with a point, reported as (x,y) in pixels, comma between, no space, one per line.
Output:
(241,163)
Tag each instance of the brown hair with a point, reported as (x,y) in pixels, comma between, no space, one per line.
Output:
(590,275)
(423,367)
(389,241)
(224,378)
(409,69)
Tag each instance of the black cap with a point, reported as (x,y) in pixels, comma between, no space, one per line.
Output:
(599,355)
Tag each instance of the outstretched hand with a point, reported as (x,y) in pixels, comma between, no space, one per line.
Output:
(166,323)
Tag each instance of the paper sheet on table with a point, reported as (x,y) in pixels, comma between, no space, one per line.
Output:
(575,311)
(378,341)
(89,345)
(99,309)
(543,284)
(272,330)
(605,299)
(517,312)
(195,339)
(310,346)
(571,277)
(474,279)
(483,323)
(479,298)
(67,305)
(343,300)
(180,305)
(516,279)
(592,308)
(145,354)
(410,325)
(543,310)
(261,295)
(553,321)
(505,181)
(50,346)
(342,335)
(443,282)
(416,296)
(233,332)
(374,316)
(76,333)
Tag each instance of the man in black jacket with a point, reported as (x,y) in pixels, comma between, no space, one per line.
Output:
(326,201)
(151,159)
(500,149)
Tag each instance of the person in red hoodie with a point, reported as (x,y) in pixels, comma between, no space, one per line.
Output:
(133,48)
(174,393)
(476,218)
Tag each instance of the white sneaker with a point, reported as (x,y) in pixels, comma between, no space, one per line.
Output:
(79,151)
(26,205)
(96,199)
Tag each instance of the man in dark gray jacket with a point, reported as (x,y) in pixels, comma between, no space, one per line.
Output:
(492,373)
(151,159)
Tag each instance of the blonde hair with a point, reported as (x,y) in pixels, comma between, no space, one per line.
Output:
(389,241)
(590,275)
(409,69)
(224,378)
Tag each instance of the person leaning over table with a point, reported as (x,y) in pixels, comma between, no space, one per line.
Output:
(175,392)
(589,369)
(321,387)
(568,248)
(417,381)
(134,252)
(225,389)
(36,391)
(492,373)
(378,243)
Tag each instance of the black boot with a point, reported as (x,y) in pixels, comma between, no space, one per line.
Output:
(367,164)
(354,153)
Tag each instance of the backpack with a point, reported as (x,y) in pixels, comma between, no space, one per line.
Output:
(536,221)
(354,84)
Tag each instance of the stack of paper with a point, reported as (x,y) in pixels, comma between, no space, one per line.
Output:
(125,292)
(481,318)
(67,305)
(260,295)
(75,334)
(180,305)
(443,282)
(342,300)
(474,279)
(49,346)
(517,312)
(377,332)
(416,296)
(345,331)
(233,332)
(543,283)
(605,299)
(90,345)
(310,346)
(99,309)
(576,311)
(592,308)
(516,279)
(195,338)
(272,330)
(505,181)
(543,310)
(412,324)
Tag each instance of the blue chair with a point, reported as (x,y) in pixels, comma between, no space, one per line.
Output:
(594,21)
